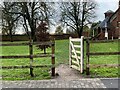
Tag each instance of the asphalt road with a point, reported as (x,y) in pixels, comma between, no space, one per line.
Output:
(111,83)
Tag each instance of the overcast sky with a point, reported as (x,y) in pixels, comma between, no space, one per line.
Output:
(103,6)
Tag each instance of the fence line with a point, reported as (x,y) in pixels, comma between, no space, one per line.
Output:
(31,56)
(88,54)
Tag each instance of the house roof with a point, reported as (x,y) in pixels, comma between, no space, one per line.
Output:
(109,11)
(114,14)
(104,23)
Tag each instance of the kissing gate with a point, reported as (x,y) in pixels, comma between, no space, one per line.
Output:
(76,53)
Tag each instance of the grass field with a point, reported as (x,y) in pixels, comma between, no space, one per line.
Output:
(61,56)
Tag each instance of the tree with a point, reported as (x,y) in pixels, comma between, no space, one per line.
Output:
(77,14)
(42,35)
(59,30)
(9,21)
(32,13)
(69,30)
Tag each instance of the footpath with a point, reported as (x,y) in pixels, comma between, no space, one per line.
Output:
(67,78)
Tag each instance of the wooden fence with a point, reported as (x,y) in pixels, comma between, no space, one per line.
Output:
(31,56)
(88,54)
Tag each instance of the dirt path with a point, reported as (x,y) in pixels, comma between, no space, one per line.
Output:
(66,73)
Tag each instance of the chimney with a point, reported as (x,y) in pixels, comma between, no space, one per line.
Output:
(108,13)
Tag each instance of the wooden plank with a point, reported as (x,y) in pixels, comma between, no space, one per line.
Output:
(82,55)
(77,46)
(15,44)
(31,58)
(87,57)
(25,56)
(25,44)
(70,53)
(75,62)
(75,39)
(104,53)
(101,41)
(104,65)
(73,56)
(75,67)
(19,67)
(53,59)
(43,43)
(79,52)
(74,51)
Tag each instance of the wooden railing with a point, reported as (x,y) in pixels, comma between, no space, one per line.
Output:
(88,54)
(31,56)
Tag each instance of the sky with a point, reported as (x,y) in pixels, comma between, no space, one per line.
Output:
(105,5)
(102,7)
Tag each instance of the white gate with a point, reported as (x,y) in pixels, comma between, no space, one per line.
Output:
(76,53)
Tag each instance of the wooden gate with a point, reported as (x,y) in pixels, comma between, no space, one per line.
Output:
(76,53)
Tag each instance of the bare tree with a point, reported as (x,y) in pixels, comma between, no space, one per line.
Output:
(32,13)
(77,14)
(9,21)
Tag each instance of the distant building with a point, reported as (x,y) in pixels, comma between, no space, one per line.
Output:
(109,28)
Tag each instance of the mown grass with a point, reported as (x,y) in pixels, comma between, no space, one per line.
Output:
(104,59)
(61,56)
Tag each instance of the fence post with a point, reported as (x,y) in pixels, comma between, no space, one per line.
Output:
(87,57)
(31,57)
(53,57)
(70,61)
(82,54)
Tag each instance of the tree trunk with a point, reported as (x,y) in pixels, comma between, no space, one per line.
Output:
(44,50)
(83,16)
(11,38)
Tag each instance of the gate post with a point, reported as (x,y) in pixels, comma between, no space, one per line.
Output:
(31,57)
(87,57)
(82,54)
(53,58)
(70,61)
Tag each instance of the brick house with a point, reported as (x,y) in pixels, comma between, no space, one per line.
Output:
(109,28)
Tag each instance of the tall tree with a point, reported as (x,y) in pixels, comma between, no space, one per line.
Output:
(9,21)
(77,14)
(32,13)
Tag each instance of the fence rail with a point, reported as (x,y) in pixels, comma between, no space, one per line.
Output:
(18,67)
(104,65)
(28,43)
(26,56)
(104,53)
(31,56)
(88,54)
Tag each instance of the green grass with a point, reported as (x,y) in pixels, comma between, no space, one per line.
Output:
(104,59)
(61,56)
